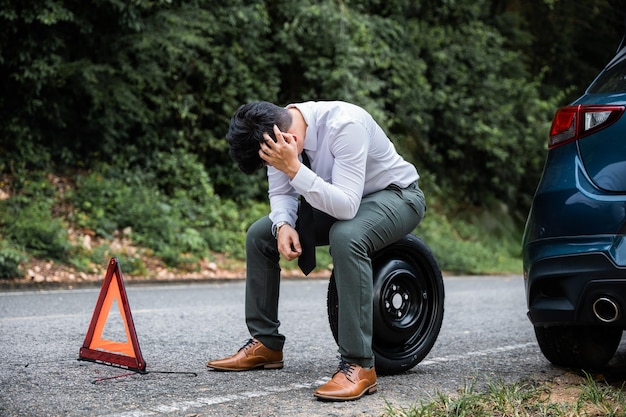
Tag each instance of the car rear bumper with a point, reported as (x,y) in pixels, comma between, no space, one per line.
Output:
(584,286)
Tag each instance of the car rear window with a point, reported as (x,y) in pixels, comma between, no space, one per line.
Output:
(613,78)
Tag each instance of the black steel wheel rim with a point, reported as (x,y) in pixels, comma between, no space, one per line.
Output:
(406,308)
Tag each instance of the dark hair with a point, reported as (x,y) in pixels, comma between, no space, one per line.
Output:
(247,126)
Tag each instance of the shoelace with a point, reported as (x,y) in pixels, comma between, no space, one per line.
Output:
(249,344)
(345,368)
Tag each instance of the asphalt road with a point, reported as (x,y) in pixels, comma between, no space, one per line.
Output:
(485,337)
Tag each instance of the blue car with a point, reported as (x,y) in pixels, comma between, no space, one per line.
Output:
(574,244)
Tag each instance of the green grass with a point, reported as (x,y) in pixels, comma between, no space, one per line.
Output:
(522,399)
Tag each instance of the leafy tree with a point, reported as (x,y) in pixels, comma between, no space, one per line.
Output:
(123,81)
(565,42)
(466,90)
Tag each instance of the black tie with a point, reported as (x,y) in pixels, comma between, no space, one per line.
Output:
(306,230)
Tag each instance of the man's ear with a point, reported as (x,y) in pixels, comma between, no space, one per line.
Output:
(294,137)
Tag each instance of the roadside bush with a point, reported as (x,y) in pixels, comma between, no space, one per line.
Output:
(10,259)
(110,201)
(184,224)
(28,221)
(34,228)
(171,211)
(480,243)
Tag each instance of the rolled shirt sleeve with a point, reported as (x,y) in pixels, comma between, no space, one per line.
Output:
(341,196)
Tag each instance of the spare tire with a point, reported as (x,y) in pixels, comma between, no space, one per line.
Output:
(408,304)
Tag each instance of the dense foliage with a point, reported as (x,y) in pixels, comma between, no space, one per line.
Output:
(130,101)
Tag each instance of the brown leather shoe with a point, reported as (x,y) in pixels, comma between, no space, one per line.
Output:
(350,382)
(252,355)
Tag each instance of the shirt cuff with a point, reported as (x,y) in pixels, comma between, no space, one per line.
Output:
(303,181)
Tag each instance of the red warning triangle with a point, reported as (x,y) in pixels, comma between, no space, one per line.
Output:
(95,348)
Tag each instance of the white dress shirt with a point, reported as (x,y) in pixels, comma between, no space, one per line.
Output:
(350,157)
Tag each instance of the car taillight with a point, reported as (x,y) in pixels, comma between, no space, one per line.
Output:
(575,122)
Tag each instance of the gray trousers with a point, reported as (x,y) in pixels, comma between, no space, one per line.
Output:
(383,218)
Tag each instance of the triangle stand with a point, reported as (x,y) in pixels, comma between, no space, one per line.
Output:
(97,349)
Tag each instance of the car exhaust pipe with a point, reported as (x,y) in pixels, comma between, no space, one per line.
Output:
(606,310)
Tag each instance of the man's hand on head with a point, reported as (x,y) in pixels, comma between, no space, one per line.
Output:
(282,154)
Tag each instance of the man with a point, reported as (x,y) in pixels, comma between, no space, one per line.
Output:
(364,196)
